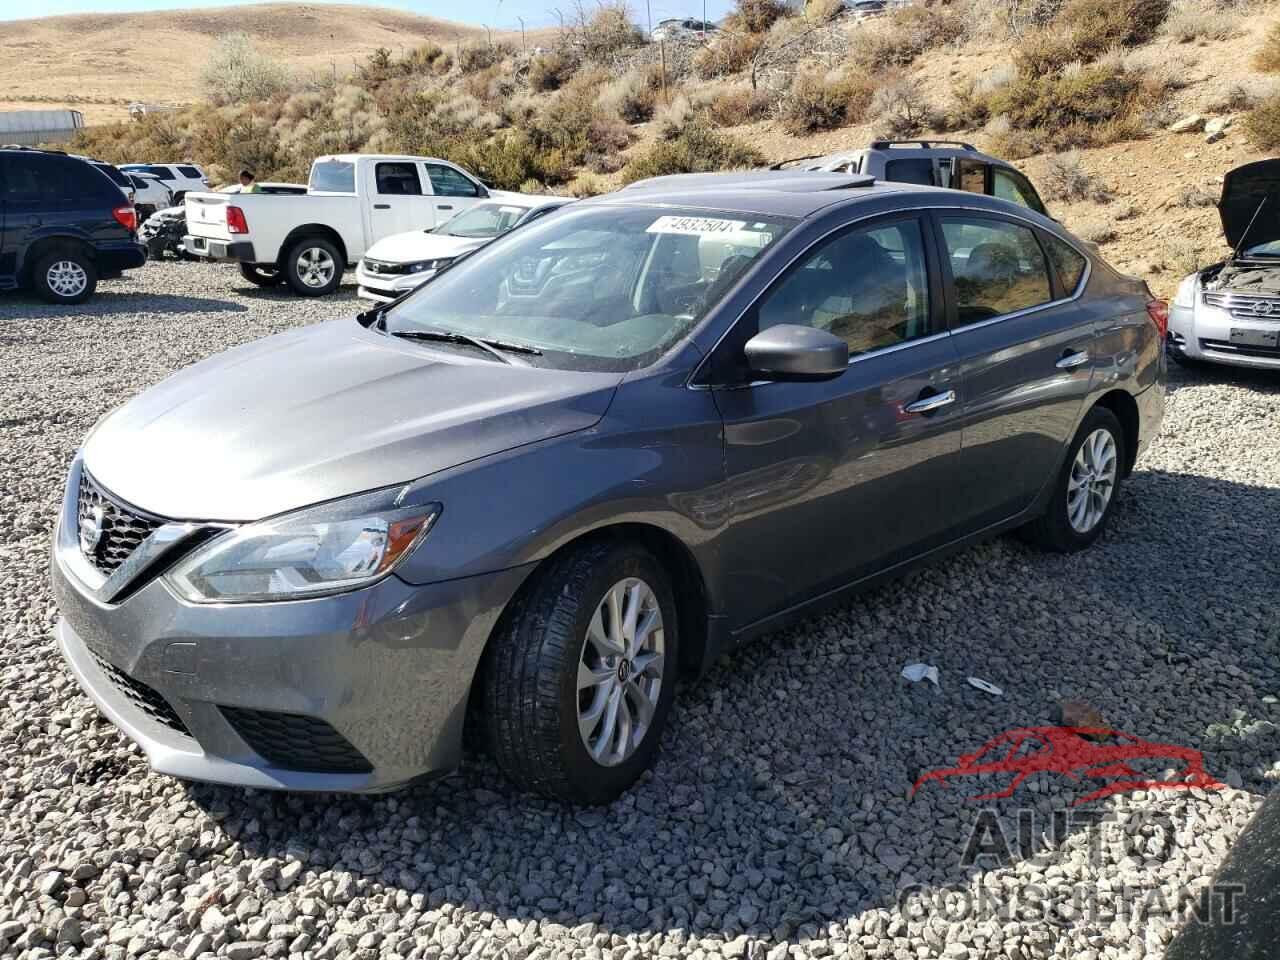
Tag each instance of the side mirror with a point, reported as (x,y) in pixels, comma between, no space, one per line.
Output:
(789,351)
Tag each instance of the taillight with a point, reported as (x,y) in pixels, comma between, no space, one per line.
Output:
(127,217)
(1158,311)
(236,222)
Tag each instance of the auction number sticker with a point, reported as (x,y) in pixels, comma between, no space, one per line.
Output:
(695,226)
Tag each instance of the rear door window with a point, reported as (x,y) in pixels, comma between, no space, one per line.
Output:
(448,182)
(910,170)
(398,179)
(54,182)
(972,176)
(997,267)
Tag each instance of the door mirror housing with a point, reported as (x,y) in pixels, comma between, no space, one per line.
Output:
(790,351)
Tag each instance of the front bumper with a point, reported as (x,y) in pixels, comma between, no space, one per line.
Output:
(1203,332)
(384,287)
(272,695)
(241,250)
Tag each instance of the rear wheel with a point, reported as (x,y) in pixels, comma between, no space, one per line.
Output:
(66,275)
(1086,487)
(580,674)
(263,276)
(313,267)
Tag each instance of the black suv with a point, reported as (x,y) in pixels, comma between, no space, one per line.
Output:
(63,226)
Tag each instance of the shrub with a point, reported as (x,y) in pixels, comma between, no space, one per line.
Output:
(608,32)
(1196,20)
(755,16)
(1086,29)
(1194,195)
(730,53)
(899,108)
(738,105)
(1267,58)
(632,97)
(476,56)
(237,72)
(898,39)
(588,185)
(818,100)
(1066,178)
(1012,143)
(1262,125)
(551,70)
(697,149)
(1099,230)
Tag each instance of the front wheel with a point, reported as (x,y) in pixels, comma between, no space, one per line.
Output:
(262,276)
(580,674)
(313,267)
(1086,487)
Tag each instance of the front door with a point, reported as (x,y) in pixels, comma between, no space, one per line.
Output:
(1025,348)
(831,481)
(452,191)
(399,203)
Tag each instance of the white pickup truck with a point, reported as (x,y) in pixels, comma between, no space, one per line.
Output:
(352,201)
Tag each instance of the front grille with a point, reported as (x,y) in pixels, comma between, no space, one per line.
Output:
(1223,346)
(295,742)
(383,267)
(143,697)
(1244,307)
(123,529)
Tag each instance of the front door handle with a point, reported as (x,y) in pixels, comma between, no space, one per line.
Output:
(935,401)
(444,206)
(382,206)
(1072,359)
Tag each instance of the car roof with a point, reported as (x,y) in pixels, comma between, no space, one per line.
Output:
(784,193)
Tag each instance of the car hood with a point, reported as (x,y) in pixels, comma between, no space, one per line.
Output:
(322,412)
(1243,189)
(419,245)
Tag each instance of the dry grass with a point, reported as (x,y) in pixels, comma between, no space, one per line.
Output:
(1192,20)
(1066,178)
(1267,57)
(1262,125)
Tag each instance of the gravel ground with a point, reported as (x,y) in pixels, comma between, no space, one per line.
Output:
(778,821)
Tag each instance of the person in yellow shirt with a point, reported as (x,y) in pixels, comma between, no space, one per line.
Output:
(249,183)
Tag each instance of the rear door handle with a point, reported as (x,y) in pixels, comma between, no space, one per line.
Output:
(444,206)
(935,401)
(382,206)
(1072,359)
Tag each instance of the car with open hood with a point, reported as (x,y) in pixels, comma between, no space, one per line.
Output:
(1229,312)
(588,459)
(404,261)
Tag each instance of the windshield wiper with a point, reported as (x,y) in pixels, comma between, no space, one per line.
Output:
(488,345)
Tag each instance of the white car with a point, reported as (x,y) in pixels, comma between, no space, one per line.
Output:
(149,194)
(397,264)
(682,28)
(180,178)
(1229,312)
(353,200)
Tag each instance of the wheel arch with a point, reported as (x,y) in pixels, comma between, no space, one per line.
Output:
(1125,408)
(313,230)
(44,245)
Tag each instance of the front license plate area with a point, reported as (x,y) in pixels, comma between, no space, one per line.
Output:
(1244,337)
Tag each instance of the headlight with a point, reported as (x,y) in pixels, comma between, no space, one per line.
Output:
(1186,295)
(430,265)
(306,554)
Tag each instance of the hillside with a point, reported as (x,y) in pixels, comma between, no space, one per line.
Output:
(100,63)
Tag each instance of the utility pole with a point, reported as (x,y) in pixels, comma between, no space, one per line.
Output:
(704,21)
(648,10)
(524,47)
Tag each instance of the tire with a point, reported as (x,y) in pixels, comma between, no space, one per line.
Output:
(262,276)
(65,275)
(1065,527)
(531,700)
(313,267)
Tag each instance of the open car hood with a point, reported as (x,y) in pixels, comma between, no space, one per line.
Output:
(1242,190)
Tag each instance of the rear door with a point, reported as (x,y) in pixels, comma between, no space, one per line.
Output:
(33,193)
(397,198)
(1025,345)
(452,190)
(829,482)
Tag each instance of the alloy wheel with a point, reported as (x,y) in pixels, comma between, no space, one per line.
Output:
(1092,481)
(620,672)
(67,278)
(315,267)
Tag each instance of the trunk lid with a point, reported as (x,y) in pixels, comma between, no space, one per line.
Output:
(1243,189)
(207,215)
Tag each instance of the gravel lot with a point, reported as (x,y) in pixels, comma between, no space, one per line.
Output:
(777,821)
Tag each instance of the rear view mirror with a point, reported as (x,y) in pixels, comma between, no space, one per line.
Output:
(789,351)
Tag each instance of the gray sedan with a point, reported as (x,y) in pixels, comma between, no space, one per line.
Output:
(583,463)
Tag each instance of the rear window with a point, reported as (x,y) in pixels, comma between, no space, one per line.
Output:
(119,178)
(1068,261)
(333,176)
(191,172)
(164,173)
(913,170)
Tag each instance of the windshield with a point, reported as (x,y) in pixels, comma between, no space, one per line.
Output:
(601,288)
(333,176)
(1269,249)
(484,220)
